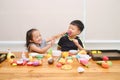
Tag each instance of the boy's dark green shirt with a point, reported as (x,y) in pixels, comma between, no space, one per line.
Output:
(66,44)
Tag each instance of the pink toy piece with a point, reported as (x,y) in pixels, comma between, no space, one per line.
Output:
(58,65)
(84,62)
(24,62)
(69,32)
(105,58)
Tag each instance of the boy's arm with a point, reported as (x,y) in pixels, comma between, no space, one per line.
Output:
(78,45)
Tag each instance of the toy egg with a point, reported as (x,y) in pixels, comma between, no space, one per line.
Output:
(50,61)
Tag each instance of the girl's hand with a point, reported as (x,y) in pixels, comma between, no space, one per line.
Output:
(52,42)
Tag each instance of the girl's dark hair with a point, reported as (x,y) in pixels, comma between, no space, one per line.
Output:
(79,24)
(29,36)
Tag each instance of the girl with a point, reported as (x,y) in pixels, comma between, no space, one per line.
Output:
(35,43)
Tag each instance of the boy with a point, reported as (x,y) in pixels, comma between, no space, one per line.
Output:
(71,41)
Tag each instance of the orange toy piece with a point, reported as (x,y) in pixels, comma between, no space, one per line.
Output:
(105,65)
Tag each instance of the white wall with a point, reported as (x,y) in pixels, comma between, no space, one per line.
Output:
(49,16)
(101,19)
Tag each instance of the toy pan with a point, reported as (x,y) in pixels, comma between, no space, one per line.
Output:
(3,57)
(112,54)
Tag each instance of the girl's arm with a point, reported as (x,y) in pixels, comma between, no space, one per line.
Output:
(41,50)
(58,47)
(55,36)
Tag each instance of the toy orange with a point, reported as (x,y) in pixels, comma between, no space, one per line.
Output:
(105,65)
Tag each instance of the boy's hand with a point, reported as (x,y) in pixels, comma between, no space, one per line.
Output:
(76,42)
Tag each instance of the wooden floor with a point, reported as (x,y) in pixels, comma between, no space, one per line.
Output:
(51,72)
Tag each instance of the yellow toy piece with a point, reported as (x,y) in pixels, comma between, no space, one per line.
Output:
(82,52)
(30,58)
(66,67)
(69,61)
(10,56)
(48,55)
(96,52)
(65,54)
(62,61)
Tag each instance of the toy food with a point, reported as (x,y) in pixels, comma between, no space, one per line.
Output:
(40,62)
(65,54)
(66,67)
(105,65)
(29,64)
(58,64)
(62,61)
(50,61)
(48,55)
(14,64)
(73,52)
(69,61)
(35,63)
(84,62)
(56,53)
(10,56)
(96,52)
(105,58)
(82,52)
(80,69)
(19,62)
(109,63)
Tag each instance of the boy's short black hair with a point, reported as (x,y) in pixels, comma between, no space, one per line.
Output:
(79,24)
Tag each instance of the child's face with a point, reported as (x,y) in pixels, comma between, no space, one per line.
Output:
(73,31)
(36,37)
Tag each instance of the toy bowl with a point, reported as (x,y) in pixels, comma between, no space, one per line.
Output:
(56,53)
(73,52)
